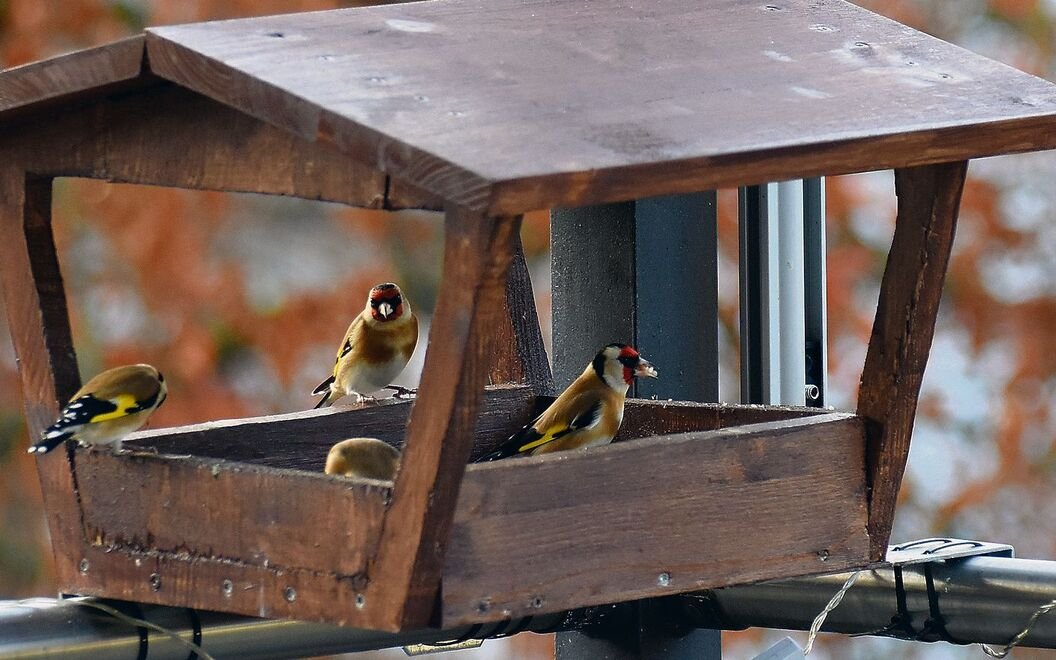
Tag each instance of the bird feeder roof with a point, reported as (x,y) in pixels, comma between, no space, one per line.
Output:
(514,105)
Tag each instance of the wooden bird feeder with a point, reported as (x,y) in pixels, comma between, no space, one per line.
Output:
(487,112)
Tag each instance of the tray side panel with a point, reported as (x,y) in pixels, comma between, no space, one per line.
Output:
(247,514)
(657,516)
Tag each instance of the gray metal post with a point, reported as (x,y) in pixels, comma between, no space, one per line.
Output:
(816,327)
(642,272)
(760,332)
(782,294)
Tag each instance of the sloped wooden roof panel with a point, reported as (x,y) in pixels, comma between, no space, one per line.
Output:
(592,99)
(81,74)
(513,105)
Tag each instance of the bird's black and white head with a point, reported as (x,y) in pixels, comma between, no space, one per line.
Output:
(386,303)
(619,364)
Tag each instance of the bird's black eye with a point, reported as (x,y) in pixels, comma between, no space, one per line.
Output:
(629,362)
(161,377)
(395,301)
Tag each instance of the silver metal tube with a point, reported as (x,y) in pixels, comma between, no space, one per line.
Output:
(42,628)
(981,599)
(790,293)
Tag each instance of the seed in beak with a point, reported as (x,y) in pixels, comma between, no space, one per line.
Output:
(385,309)
(645,369)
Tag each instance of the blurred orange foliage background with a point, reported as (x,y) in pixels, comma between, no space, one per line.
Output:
(240,298)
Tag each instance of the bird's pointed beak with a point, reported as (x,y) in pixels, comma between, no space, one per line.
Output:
(645,369)
(385,309)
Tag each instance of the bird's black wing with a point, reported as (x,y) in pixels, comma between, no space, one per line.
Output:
(528,438)
(77,412)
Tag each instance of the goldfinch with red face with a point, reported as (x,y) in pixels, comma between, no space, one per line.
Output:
(108,407)
(588,413)
(365,458)
(375,349)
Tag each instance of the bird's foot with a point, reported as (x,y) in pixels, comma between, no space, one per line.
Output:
(364,398)
(401,392)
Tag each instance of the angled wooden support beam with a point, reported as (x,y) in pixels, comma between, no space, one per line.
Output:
(40,330)
(405,576)
(928,201)
(520,356)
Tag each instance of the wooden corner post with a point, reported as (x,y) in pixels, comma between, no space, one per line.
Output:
(928,201)
(519,355)
(40,331)
(404,577)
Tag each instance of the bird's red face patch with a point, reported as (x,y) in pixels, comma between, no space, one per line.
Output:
(629,359)
(386,303)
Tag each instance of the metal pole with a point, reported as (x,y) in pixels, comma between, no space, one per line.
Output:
(816,307)
(790,283)
(980,600)
(759,268)
(42,628)
(646,273)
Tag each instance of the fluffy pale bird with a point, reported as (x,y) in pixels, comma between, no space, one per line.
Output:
(375,349)
(588,413)
(366,458)
(109,406)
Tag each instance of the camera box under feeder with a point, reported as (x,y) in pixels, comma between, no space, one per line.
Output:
(488,114)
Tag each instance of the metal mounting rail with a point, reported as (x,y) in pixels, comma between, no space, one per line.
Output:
(979,593)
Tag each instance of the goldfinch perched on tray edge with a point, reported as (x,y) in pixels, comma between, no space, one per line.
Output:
(375,349)
(588,413)
(366,458)
(111,405)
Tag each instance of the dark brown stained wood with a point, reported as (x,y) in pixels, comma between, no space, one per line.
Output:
(405,577)
(666,97)
(644,417)
(694,510)
(519,355)
(40,331)
(130,140)
(301,440)
(277,519)
(202,584)
(928,201)
(74,76)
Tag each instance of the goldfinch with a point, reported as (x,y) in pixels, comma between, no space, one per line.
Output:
(366,458)
(110,406)
(588,413)
(375,349)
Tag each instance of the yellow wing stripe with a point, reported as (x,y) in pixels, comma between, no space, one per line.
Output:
(547,437)
(124,403)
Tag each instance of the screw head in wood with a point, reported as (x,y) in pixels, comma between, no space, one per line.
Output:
(290,594)
(155,582)
(536,603)
(227,587)
(361,601)
(664,579)
(823,555)
(84,565)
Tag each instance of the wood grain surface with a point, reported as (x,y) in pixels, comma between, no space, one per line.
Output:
(928,201)
(657,516)
(404,579)
(40,331)
(664,97)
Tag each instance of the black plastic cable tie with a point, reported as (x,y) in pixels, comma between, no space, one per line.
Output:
(935,626)
(196,631)
(902,619)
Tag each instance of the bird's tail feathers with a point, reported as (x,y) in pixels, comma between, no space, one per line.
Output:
(50,441)
(325,401)
(512,445)
(323,386)
(324,389)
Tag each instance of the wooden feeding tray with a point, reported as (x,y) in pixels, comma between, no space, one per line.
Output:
(488,113)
